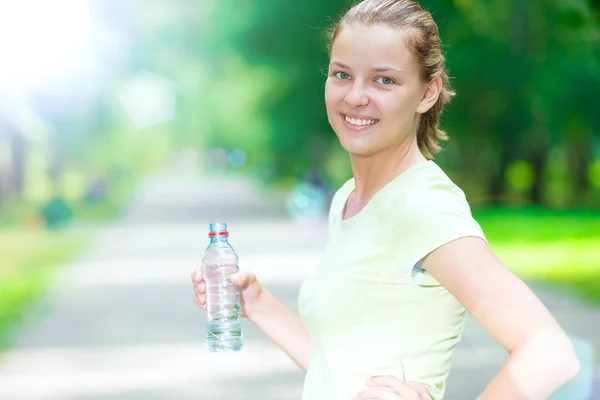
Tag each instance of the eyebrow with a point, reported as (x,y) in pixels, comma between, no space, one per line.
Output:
(377,69)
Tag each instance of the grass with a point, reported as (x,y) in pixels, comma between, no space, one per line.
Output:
(28,257)
(559,249)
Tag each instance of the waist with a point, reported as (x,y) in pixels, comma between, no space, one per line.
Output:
(341,377)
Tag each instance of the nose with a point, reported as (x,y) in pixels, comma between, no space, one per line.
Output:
(357,97)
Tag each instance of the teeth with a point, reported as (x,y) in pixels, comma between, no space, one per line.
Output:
(360,122)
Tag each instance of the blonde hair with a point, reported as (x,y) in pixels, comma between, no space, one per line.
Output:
(423,41)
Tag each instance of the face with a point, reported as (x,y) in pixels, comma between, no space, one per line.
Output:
(374,92)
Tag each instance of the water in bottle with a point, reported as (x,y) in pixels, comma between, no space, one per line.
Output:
(220,261)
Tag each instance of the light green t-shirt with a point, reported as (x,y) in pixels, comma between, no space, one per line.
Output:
(367,310)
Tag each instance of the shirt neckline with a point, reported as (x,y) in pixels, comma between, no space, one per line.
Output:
(399,177)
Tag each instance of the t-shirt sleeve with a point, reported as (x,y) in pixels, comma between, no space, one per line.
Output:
(437,217)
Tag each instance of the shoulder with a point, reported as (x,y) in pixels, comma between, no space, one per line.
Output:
(433,210)
(427,191)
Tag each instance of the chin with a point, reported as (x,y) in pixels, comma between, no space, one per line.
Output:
(357,149)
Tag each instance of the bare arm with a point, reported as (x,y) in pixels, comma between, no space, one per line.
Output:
(282,326)
(542,358)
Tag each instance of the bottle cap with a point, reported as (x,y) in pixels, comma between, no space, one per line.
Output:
(218,229)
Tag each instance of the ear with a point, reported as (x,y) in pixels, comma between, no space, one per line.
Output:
(430,95)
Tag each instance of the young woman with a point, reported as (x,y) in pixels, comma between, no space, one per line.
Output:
(381,315)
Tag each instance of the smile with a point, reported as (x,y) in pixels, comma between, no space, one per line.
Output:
(358,123)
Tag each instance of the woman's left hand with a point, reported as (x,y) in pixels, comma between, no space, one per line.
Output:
(392,388)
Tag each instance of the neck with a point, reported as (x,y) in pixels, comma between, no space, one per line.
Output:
(371,173)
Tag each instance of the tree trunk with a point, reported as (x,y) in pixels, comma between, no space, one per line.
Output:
(580,156)
(496,184)
(539,159)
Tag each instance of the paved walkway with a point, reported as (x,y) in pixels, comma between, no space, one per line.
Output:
(119,323)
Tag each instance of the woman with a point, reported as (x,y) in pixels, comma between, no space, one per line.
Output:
(381,315)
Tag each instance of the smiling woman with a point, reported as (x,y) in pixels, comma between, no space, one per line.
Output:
(382,313)
(381,61)
(374,87)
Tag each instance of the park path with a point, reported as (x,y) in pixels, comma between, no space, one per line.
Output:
(119,322)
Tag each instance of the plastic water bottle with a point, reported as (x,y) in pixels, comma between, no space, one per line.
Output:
(220,261)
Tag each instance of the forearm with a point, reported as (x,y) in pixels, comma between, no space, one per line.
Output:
(284,327)
(534,373)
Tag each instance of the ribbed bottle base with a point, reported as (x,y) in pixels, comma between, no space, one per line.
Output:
(222,336)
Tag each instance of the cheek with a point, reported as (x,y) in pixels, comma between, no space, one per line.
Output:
(333,94)
(403,104)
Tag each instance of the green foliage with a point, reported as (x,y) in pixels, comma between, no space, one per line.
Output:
(290,41)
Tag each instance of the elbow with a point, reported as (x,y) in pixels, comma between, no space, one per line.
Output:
(554,360)
(566,365)
(570,366)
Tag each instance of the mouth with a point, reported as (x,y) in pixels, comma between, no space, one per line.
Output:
(358,124)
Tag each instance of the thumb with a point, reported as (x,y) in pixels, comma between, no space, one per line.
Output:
(242,279)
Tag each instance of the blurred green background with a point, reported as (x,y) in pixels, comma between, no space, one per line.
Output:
(95,95)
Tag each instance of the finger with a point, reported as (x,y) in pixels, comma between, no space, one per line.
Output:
(404,389)
(422,390)
(201,297)
(242,279)
(200,302)
(378,393)
(197,275)
(201,288)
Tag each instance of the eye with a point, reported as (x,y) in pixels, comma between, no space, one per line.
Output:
(385,80)
(342,75)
